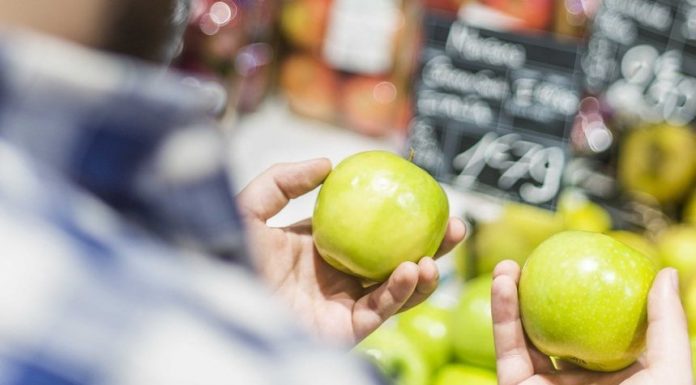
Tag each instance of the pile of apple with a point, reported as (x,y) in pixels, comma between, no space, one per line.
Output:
(442,344)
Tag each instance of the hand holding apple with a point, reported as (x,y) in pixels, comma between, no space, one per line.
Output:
(332,304)
(375,211)
(666,361)
(583,299)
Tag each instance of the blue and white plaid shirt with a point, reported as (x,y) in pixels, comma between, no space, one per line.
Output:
(104,164)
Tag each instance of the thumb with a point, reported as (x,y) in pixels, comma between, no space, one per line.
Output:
(271,191)
(668,348)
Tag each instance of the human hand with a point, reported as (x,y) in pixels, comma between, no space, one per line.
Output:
(667,359)
(333,304)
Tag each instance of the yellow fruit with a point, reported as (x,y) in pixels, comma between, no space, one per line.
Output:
(659,161)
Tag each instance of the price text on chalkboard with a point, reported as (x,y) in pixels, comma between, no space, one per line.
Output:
(642,54)
(494,110)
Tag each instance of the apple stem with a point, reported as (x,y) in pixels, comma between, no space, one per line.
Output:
(411,154)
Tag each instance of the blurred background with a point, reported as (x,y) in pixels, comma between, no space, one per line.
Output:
(536,115)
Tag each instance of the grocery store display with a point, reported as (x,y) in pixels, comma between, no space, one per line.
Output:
(472,324)
(395,356)
(376,210)
(583,298)
(566,122)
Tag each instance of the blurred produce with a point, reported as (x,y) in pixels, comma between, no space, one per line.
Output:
(513,235)
(229,41)
(365,53)
(303,23)
(579,213)
(535,223)
(677,248)
(571,16)
(659,161)
(310,86)
(458,374)
(429,328)
(689,214)
(497,241)
(532,14)
(395,356)
(472,330)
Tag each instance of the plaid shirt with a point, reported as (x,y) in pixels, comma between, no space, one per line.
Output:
(103,164)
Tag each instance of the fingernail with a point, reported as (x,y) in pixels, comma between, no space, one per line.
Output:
(674,278)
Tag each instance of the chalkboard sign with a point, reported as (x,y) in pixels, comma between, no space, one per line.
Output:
(494,110)
(642,55)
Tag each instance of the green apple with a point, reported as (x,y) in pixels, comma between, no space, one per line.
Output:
(458,374)
(534,223)
(497,241)
(658,160)
(428,327)
(395,356)
(376,210)
(677,248)
(579,213)
(463,260)
(583,299)
(472,325)
(513,235)
(637,242)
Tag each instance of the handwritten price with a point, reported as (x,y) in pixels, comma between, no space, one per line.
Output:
(539,168)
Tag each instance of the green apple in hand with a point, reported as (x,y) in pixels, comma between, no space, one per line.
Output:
(583,298)
(472,324)
(395,356)
(428,327)
(376,210)
(458,374)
